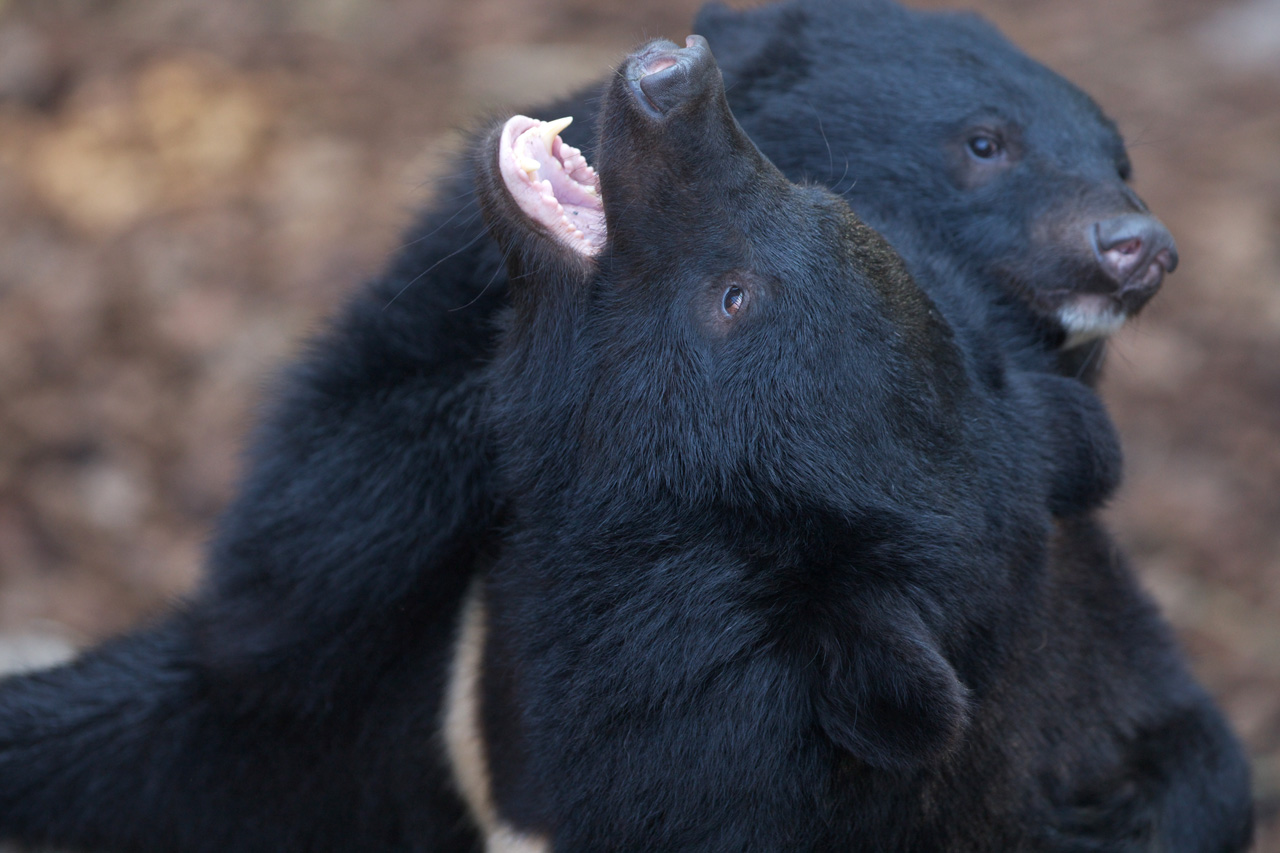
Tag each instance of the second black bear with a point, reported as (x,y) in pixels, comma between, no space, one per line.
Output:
(996,163)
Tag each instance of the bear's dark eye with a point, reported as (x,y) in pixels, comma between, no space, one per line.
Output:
(985,147)
(734,299)
(983,150)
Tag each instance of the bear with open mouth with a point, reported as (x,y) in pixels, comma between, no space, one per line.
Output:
(777,534)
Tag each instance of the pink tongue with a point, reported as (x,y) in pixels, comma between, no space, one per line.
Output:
(552,183)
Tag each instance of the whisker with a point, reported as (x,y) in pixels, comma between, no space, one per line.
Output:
(831,164)
(485,289)
(1095,352)
(419,276)
(433,231)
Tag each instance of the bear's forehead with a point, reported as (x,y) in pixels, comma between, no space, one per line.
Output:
(955,62)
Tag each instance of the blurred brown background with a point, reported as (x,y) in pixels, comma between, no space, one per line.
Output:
(187,187)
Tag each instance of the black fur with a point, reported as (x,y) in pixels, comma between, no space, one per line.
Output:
(879,102)
(369,502)
(777,585)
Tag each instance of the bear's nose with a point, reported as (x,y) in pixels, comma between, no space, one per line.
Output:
(668,76)
(1135,251)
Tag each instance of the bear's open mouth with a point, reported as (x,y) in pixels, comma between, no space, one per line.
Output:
(552,183)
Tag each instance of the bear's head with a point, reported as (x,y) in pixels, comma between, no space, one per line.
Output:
(949,139)
(696,321)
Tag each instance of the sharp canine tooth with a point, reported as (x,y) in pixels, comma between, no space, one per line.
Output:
(551,129)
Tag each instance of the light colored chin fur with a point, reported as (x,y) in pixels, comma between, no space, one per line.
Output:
(1089,318)
(464,737)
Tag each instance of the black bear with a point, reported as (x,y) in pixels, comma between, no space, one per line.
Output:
(299,689)
(948,140)
(774,577)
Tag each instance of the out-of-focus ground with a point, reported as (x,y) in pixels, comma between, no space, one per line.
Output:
(187,187)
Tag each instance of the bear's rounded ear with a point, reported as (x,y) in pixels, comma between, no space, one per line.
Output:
(1085,460)
(714,15)
(740,35)
(888,696)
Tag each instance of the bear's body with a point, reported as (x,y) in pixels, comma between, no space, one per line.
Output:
(302,688)
(775,576)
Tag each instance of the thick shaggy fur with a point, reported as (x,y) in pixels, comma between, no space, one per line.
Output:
(294,703)
(775,580)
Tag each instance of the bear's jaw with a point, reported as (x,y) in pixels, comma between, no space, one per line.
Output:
(551,182)
(1088,318)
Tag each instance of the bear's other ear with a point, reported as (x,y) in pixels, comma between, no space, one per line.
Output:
(887,695)
(739,36)
(714,16)
(1085,460)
